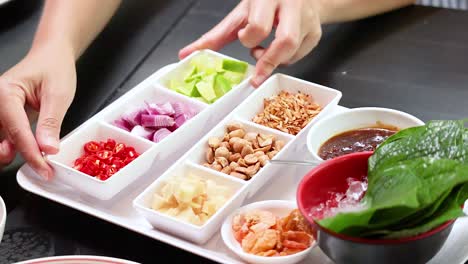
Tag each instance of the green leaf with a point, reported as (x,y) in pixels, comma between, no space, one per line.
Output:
(414,183)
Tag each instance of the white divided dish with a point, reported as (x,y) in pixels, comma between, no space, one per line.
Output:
(356,118)
(244,113)
(3,216)
(153,90)
(118,206)
(280,209)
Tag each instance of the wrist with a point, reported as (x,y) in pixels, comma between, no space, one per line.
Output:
(55,46)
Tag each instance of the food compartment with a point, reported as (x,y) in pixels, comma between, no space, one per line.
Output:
(288,104)
(190,202)
(241,149)
(126,164)
(210,77)
(153,113)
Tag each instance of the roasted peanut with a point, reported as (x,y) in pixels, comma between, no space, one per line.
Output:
(263,160)
(271,154)
(222,152)
(240,133)
(234,140)
(251,159)
(239,145)
(214,142)
(226,145)
(242,162)
(222,161)
(226,137)
(216,167)
(279,145)
(234,126)
(242,170)
(255,144)
(235,157)
(209,155)
(251,136)
(264,149)
(258,153)
(252,170)
(265,141)
(227,170)
(246,150)
(238,175)
(233,165)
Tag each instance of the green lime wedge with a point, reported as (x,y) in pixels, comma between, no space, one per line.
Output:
(235,66)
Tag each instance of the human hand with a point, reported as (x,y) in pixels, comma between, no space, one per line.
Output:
(298,31)
(44,81)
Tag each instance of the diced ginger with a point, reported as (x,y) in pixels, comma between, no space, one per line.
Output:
(191,198)
(158,202)
(209,208)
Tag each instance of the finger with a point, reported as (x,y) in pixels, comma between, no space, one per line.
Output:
(7,152)
(310,40)
(260,23)
(16,124)
(54,105)
(308,44)
(222,34)
(285,44)
(257,52)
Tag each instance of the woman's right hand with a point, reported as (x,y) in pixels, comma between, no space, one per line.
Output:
(45,82)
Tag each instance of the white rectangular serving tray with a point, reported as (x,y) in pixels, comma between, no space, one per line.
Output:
(120,211)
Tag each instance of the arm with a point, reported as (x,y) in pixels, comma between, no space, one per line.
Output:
(73,23)
(333,11)
(298,28)
(45,80)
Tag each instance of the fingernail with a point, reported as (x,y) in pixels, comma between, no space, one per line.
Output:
(183,53)
(257,80)
(51,142)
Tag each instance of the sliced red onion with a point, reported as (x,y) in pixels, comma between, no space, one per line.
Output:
(172,128)
(157,121)
(160,109)
(143,132)
(179,108)
(133,117)
(180,120)
(161,134)
(121,123)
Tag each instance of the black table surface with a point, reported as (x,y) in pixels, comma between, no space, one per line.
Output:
(412,60)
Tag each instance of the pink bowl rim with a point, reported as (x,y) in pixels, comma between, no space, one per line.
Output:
(332,162)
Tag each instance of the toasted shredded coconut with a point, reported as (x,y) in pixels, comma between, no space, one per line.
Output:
(288,112)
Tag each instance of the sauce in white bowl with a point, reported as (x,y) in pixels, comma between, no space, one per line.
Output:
(354,120)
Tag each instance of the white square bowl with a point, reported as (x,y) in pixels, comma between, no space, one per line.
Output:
(264,174)
(170,224)
(326,97)
(71,148)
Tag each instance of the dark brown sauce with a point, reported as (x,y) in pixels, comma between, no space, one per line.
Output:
(364,139)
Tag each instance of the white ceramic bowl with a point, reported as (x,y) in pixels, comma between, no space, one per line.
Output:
(279,208)
(352,119)
(3,216)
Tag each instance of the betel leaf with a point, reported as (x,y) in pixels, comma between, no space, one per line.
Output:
(413,181)
(449,209)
